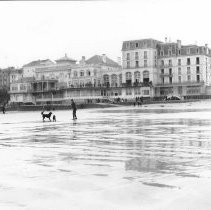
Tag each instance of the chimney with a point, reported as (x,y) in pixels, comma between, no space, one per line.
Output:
(206,49)
(83,60)
(179,43)
(104,58)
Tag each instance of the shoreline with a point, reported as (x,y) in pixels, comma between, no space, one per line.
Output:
(95,105)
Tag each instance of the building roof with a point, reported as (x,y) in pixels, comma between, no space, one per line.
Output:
(66,58)
(139,44)
(38,63)
(97,59)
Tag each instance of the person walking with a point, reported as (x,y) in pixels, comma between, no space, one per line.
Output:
(73,105)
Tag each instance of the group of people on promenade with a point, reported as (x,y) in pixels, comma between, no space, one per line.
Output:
(138,101)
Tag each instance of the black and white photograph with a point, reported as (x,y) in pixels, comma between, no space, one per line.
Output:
(105,105)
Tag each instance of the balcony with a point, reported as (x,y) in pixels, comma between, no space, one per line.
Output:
(193,83)
(137,84)
(165,65)
(166,75)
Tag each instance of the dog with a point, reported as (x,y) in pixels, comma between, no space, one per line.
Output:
(54,118)
(46,116)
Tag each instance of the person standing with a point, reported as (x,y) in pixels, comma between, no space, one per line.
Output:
(3,109)
(73,105)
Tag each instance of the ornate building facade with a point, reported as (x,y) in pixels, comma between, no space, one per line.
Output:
(150,68)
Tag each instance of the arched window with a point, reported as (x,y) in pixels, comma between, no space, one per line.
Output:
(114,80)
(146,76)
(137,76)
(128,78)
(106,80)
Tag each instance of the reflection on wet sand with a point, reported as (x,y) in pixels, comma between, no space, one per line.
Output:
(110,147)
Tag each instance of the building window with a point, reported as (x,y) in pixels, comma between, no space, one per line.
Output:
(137,76)
(170,62)
(170,80)
(136,44)
(198,70)
(136,56)
(188,50)
(179,62)
(145,54)
(137,64)
(88,73)
(106,80)
(162,71)
(95,72)
(75,74)
(128,56)
(197,50)
(128,78)
(170,71)
(179,71)
(188,61)
(128,91)
(161,53)
(128,64)
(198,78)
(179,79)
(170,52)
(146,76)
(145,92)
(197,60)
(162,62)
(189,78)
(162,80)
(145,63)
(188,70)
(137,91)
(82,73)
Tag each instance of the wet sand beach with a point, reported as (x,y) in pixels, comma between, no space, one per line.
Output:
(149,157)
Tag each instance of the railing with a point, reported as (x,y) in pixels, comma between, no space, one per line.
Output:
(137,84)
(193,83)
(165,65)
(166,74)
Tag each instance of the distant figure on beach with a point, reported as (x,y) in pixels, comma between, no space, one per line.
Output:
(73,105)
(3,109)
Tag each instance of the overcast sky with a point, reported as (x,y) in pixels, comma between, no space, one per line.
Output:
(40,30)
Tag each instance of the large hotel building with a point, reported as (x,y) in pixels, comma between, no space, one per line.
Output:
(150,69)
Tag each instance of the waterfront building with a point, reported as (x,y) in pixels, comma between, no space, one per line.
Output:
(99,77)
(183,70)
(150,69)
(5,78)
(57,82)
(139,73)
(170,67)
